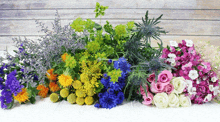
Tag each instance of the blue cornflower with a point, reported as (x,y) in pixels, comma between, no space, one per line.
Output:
(105,82)
(108,100)
(122,64)
(105,75)
(120,97)
(35,77)
(109,61)
(6,98)
(97,105)
(2,86)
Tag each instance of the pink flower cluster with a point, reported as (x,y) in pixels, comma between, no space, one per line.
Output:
(162,85)
(202,82)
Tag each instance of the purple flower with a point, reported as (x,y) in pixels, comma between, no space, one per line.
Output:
(108,100)
(122,64)
(120,97)
(6,98)
(109,61)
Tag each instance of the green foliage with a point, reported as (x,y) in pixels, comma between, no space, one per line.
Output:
(100,10)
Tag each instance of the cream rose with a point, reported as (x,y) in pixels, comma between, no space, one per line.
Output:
(161,100)
(179,84)
(173,100)
(184,101)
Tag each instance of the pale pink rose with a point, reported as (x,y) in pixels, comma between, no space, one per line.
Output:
(142,89)
(151,78)
(168,88)
(157,87)
(165,77)
(148,99)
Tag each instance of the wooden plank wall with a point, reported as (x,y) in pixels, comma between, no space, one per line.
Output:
(184,19)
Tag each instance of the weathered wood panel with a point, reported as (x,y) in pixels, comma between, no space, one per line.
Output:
(174,27)
(207,15)
(54,4)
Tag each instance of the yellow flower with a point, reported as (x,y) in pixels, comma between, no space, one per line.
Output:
(64,93)
(70,61)
(80,100)
(22,96)
(93,46)
(71,98)
(42,90)
(54,97)
(90,92)
(80,93)
(65,80)
(99,55)
(87,85)
(89,100)
(50,74)
(77,84)
(84,78)
(64,56)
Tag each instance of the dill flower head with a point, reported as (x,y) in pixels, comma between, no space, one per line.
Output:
(42,90)
(89,100)
(54,97)
(115,74)
(80,100)
(64,56)
(65,80)
(70,61)
(50,74)
(54,87)
(80,93)
(71,98)
(90,92)
(22,96)
(64,93)
(77,84)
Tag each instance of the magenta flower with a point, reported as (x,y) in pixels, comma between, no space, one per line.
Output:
(148,99)
(165,77)
(151,78)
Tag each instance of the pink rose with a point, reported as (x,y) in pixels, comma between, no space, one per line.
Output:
(168,88)
(148,99)
(157,87)
(151,78)
(165,77)
(142,90)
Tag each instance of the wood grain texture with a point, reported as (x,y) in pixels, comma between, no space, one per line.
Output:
(60,4)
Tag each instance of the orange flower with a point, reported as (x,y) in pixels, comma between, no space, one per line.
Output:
(22,96)
(54,87)
(43,90)
(64,56)
(50,74)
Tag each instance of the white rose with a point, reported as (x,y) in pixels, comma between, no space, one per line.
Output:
(161,100)
(173,43)
(173,100)
(179,84)
(184,101)
(189,43)
(189,83)
(214,79)
(173,64)
(193,74)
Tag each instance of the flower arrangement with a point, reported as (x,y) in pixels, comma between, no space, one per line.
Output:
(85,63)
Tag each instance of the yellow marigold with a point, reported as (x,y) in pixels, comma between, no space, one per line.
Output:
(54,87)
(80,100)
(50,74)
(64,56)
(22,96)
(80,93)
(77,84)
(42,90)
(65,80)
(89,100)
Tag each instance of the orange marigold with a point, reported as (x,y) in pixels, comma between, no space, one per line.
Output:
(50,74)
(64,56)
(54,87)
(43,90)
(22,96)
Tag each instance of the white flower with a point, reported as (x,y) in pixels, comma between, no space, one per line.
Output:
(198,81)
(173,43)
(188,83)
(184,101)
(208,98)
(214,79)
(5,78)
(189,43)
(173,64)
(171,60)
(173,100)
(191,90)
(193,74)
(171,55)
(161,100)
(215,90)
(179,84)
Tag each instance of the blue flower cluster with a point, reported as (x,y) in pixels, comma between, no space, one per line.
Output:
(112,94)
(9,87)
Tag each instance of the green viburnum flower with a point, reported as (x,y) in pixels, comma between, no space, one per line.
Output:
(120,31)
(64,93)
(130,25)
(78,24)
(70,62)
(99,10)
(115,74)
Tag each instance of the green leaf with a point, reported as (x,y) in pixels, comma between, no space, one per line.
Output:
(32,100)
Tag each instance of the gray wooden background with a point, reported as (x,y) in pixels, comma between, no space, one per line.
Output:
(184,19)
